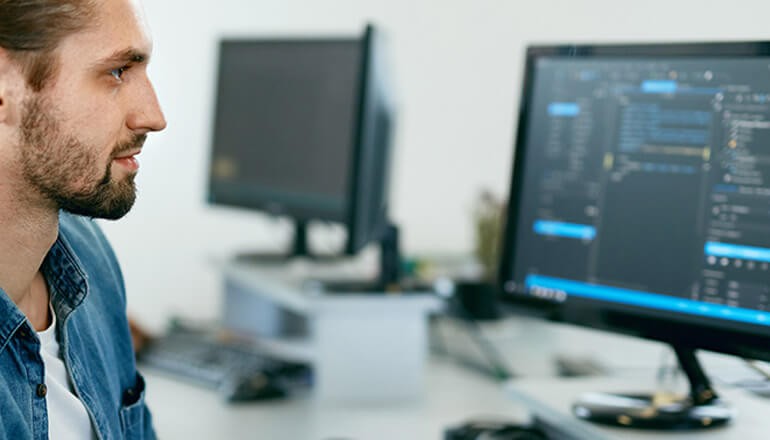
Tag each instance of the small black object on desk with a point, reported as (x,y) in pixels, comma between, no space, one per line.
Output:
(493,430)
(257,386)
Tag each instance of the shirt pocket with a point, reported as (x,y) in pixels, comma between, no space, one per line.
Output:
(134,415)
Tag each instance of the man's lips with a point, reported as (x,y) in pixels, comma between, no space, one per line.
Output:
(128,154)
(128,160)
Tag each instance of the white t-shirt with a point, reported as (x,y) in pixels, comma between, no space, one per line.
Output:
(67,416)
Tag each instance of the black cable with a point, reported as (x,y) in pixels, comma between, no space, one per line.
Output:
(472,327)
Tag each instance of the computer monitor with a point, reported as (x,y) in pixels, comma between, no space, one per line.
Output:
(639,204)
(302,129)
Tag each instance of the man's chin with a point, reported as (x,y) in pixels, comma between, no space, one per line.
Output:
(113,212)
(111,203)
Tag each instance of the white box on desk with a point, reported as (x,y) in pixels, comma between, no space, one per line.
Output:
(371,348)
(365,347)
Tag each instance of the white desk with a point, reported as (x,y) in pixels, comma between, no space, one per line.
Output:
(452,396)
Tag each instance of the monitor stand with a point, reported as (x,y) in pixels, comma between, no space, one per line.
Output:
(389,277)
(701,409)
(298,249)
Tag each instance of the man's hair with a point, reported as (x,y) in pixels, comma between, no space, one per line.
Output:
(31,30)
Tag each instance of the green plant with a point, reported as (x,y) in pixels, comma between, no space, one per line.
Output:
(487,216)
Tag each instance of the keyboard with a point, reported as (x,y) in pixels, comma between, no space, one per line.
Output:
(232,368)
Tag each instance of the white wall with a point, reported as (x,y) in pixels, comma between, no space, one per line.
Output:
(457,66)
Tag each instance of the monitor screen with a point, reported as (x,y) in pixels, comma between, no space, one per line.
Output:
(285,125)
(642,186)
(303,129)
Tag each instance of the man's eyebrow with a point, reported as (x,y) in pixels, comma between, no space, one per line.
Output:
(126,56)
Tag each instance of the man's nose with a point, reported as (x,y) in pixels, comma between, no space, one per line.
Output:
(147,115)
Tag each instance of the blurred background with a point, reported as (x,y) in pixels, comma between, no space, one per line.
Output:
(456,67)
(456,70)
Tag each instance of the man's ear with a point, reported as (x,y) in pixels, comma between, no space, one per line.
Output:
(11,88)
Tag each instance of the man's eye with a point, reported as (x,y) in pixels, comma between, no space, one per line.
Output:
(118,72)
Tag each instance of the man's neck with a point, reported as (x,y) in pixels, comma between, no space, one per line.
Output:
(27,232)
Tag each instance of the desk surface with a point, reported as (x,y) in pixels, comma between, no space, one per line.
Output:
(452,395)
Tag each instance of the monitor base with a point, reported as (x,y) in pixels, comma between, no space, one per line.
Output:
(701,409)
(389,278)
(372,286)
(298,248)
(651,411)
(259,259)
(267,259)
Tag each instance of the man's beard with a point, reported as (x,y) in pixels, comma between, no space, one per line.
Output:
(65,170)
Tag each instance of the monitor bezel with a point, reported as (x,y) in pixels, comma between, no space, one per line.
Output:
(360,232)
(725,336)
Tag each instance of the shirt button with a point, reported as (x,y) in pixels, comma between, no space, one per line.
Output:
(42,390)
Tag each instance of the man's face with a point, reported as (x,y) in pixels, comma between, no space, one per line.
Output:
(79,135)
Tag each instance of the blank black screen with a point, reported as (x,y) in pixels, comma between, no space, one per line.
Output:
(284,125)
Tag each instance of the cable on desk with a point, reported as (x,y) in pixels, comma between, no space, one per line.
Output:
(472,328)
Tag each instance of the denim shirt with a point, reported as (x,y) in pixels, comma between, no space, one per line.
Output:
(88,296)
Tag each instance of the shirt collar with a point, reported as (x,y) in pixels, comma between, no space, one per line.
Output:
(67,284)
(67,281)
(11,319)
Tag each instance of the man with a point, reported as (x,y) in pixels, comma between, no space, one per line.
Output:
(75,107)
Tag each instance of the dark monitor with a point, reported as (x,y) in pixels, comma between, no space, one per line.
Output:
(302,129)
(640,201)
